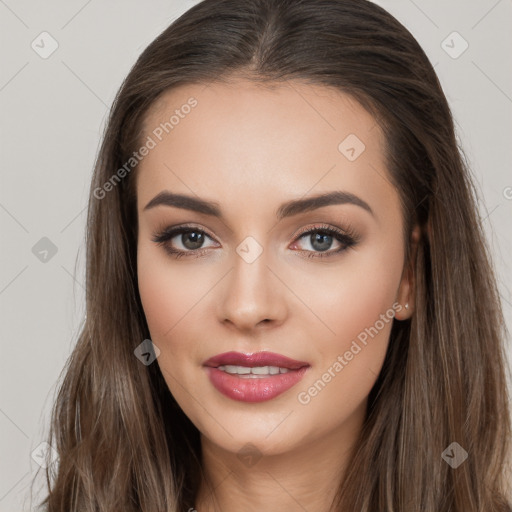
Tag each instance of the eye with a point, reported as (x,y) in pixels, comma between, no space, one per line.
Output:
(188,241)
(319,240)
(182,241)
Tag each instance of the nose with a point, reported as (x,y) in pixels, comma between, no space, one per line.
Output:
(252,297)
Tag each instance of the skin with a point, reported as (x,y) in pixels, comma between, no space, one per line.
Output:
(251,148)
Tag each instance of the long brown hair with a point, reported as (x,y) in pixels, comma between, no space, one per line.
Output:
(122,440)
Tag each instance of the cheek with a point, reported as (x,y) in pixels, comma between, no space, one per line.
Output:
(356,304)
(168,297)
(350,297)
(168,291)
(158,289)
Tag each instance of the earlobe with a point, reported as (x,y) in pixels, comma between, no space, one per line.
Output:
(405,297)
(405,302)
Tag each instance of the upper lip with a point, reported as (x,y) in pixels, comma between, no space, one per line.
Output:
(256,359)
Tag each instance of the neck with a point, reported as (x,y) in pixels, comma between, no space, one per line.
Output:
(306,478)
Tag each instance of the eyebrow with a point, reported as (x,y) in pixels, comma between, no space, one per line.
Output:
(287,209)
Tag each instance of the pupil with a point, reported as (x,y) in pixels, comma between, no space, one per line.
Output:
(192,240)
(320,241)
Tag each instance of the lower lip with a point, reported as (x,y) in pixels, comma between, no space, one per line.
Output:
(257,389)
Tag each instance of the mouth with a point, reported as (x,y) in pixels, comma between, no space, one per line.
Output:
(254,377)
(252,372)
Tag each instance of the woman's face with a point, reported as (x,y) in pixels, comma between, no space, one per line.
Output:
(317,282)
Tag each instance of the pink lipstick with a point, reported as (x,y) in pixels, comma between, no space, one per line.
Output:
(254,377)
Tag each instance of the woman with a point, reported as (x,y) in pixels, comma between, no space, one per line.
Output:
(290,304)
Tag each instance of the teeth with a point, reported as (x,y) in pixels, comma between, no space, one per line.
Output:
(255,370)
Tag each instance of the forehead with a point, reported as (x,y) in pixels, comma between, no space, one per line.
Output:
(241,108)
(245,138)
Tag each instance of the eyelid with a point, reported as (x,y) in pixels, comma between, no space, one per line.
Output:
(175,230)
(349,231)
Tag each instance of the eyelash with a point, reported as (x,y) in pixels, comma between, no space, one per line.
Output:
(348,238)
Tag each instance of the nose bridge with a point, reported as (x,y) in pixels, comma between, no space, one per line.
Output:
(252,294)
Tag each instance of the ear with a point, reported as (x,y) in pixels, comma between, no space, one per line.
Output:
(405,295)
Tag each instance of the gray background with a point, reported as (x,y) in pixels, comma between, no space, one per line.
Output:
(53,112)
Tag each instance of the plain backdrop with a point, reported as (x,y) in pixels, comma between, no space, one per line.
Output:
(53,110)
